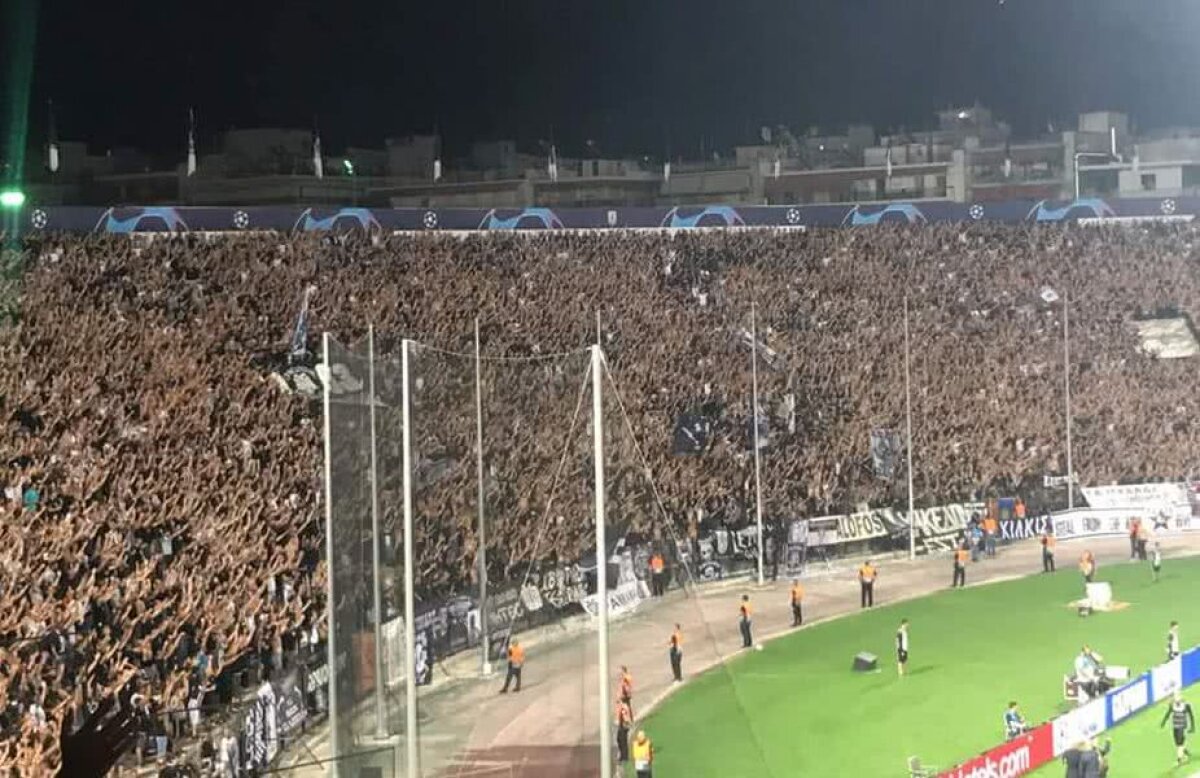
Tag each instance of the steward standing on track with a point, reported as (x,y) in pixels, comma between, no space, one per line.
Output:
(1048,541)
(625,692)
(745,622)
(677,654)
(991,528)
(643,755)
(516,660)
(1173,641)
(797,600)
(657,565)
(866,581)
(961,555)
(624,719)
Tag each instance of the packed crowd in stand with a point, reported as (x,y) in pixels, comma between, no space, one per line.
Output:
(162,506)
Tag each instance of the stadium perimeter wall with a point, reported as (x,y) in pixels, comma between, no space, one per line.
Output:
(135,219)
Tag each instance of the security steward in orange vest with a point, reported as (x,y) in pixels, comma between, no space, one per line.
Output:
(516,660)
(624,719)
(658,586)
(676,645)
(797,596)
(744,623)
(1048,542)
(866,581)
(625,690)
(961,555)
(643,755)
(1087,566)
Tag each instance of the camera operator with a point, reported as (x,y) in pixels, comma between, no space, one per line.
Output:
(1090,674)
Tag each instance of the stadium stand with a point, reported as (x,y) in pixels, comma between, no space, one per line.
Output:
(161,497)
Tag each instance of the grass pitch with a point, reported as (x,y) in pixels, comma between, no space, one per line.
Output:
(796,709)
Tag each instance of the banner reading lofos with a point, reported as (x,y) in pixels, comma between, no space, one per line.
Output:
(1009,760)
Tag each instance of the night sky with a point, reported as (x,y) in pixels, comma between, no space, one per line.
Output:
(634,75)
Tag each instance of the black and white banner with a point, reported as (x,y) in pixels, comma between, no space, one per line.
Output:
(1152,496)
(290,710)
(626,595)
(622,599)
(692,433)
(261,729)
(1086,522)
(886,453)
(934,529)
(1024,529)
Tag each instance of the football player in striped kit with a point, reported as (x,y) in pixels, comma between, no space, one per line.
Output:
(902,646)
(1182,723)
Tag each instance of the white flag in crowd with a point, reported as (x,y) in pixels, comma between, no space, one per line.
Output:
(667,170)
(191,149)
(52,151)
(318,165)
(437,170)
(552,164)
(888,161)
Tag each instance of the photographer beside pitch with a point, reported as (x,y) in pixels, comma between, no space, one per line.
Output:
(1014,723)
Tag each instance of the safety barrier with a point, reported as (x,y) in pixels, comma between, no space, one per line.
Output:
(1050,740)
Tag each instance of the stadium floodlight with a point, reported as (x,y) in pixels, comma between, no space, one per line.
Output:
(12,198)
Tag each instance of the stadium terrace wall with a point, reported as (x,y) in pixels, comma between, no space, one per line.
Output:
(138,219)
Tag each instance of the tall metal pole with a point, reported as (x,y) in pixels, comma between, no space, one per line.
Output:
(912,537)
(485,665)
(601,560)
(757,463)
(1067,396)
(410,639)
(376,568)
(330,565)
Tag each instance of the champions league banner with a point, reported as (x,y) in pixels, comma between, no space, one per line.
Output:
(283,219)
